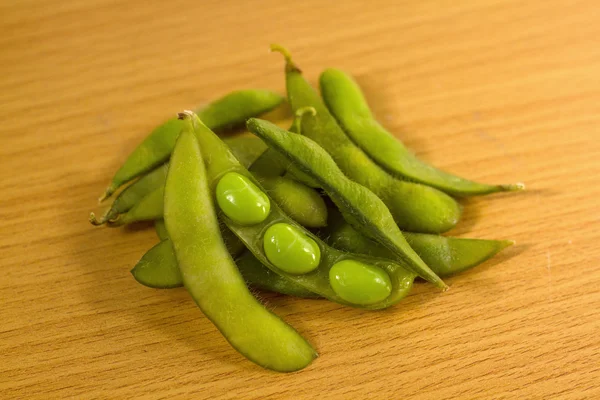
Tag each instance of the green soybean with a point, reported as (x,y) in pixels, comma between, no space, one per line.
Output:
(346,102)
(359,283)
(360,207)
(209,273)
(158,269)
(415,207)
(220,161)
(444,255)
(232,109)
(241,200)
(290,249)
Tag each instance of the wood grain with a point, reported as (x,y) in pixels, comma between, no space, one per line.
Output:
(496,90)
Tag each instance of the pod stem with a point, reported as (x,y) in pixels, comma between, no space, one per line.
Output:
(513,187)
(96,222)
(289,64)
(299,114)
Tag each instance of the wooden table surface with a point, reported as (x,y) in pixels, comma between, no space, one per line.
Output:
(499,91)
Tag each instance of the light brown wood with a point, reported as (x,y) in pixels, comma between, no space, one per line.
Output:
(499,91)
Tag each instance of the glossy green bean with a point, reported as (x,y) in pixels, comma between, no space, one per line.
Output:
(221,162)
(346,102)
(360,207)
(445,255)
(415,207)
(209,273)
(158,269)
(231,109)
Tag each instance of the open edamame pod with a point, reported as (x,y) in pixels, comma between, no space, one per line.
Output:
(346,102)
(360,206)
(281,244)
(444,255)
(209,273)
(415,207)
(230,110)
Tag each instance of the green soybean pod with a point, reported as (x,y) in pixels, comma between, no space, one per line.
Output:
(300,201)
(445,255)
(246,148)
(133,194)
(209,273)
(360,206)
(415,207)
(346,102)
(222,162)
(161,229)
(158,269)
(231,109)
(148,208)
(304,204)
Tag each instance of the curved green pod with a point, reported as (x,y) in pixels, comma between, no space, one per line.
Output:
(161,229)
(209,273)
(246,148)
(346,102)
(415,207)
(221,162)
(158,269)
(360,206)
(445,255)
(133,194)
(148,208)
(304,204)
(229,110)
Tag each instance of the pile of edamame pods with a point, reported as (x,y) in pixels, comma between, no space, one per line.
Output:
(335,207)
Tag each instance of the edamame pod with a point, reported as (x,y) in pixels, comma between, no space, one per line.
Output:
(222,162)
(246,148)
(209,273)
(158,269)
(133,194)
(346,102)
(415,207)
(231,109)
(161,229)
(304,204)
(360,206)
(444,255)
(148,208)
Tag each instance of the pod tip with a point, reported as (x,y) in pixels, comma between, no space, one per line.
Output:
(107,193)
(94,221)
(289,64)
(514,187)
